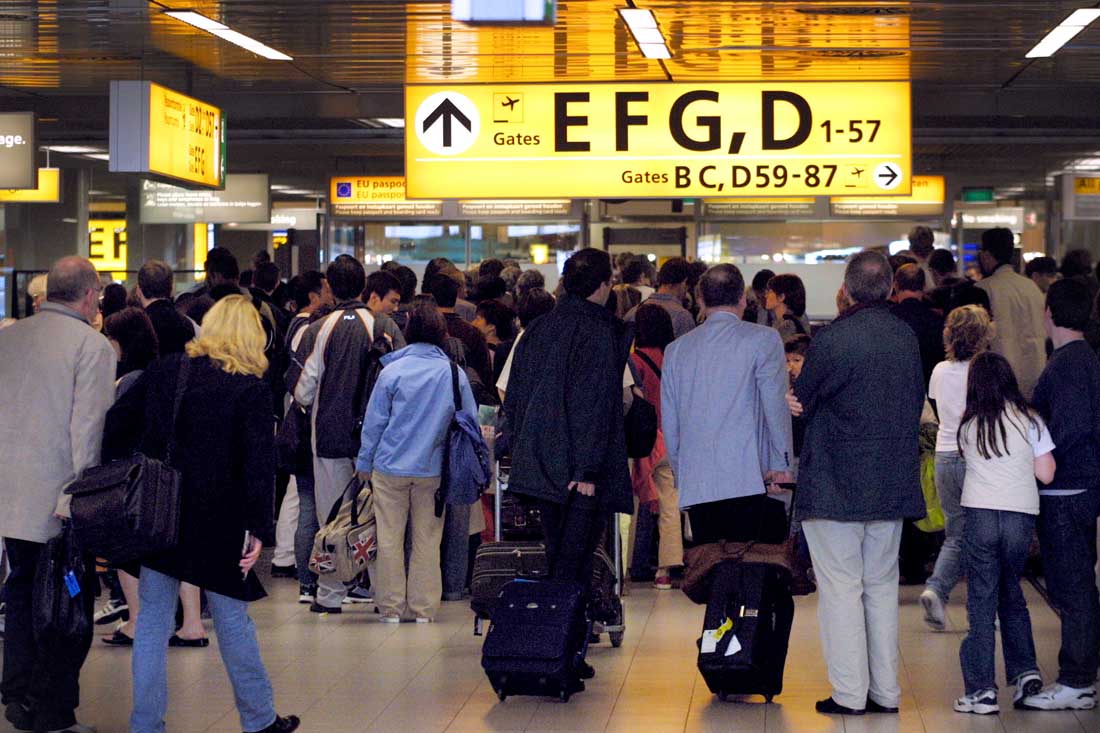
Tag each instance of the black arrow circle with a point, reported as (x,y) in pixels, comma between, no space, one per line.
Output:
(890,175)
(447,111)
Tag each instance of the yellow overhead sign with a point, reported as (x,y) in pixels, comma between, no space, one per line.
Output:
(926,199)
(48,191)
(1086,186)
(167,135)
(384,196)
(107,244)
(657,140)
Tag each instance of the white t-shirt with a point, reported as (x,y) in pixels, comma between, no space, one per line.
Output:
(947,389)
(1006,483)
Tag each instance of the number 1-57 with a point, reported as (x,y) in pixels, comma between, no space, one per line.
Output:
(856,130)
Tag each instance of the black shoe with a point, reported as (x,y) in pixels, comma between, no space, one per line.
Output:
(829,706)
(283,725)
(178,641)
(118,639)
(874,707)
(20,716)
(586,671)
(284,571)
(316,607)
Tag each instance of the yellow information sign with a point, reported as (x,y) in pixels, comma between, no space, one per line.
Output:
(1087,186)
(658,140)
(185,138)
(107,244)
(48,191)
(926,199)
(381,196)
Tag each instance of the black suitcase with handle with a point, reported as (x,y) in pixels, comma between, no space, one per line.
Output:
(747,628)
(537,640)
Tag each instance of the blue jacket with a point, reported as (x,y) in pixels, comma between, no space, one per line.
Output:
(409,412)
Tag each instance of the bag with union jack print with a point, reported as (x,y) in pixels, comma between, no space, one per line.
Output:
(347,544)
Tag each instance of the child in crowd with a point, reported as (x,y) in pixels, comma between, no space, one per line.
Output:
(968,333)
(796,349)
(1006,446)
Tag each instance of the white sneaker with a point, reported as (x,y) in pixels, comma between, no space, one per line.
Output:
(111,611)
(933,606)
(388,619)
(1060,697)
(423,620)
(982,702)
(1028,685)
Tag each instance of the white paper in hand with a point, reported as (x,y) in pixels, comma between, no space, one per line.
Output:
(734,647)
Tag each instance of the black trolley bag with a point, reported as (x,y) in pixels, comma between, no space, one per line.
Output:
(537,639)
(750,610)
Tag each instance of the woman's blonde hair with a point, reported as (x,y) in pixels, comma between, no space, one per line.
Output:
(232,337)
(968,333)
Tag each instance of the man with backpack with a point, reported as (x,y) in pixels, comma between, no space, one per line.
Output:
(333,371)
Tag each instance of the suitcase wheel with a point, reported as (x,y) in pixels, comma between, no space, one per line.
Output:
(723,696)
(564,695)
(502,695)
(616,638)
(768,699)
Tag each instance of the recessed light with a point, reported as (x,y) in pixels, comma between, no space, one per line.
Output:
(221,30)
(1063,33)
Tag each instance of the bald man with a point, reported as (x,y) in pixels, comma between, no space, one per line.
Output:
(57,378)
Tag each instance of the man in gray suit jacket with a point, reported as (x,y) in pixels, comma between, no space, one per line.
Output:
(57,380)
(724,412)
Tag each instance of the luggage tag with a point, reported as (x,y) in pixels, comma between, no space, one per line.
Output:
(72,584)
(734,647)
(711,637)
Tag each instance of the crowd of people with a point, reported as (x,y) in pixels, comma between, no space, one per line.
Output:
(290,391)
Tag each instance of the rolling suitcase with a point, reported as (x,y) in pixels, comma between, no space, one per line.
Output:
(746,630)
(537,639)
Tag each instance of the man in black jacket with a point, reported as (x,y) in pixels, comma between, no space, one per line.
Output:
(911,306)
(565,404)
(863,391)
(173,329)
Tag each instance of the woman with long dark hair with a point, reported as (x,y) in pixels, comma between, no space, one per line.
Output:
(1006,447)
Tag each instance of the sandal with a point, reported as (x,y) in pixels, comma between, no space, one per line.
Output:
(179,641)
(118,639)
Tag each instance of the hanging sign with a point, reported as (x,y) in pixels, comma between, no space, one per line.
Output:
(678,140)
(926,199)
(48,191)
(17,150)
(376,196)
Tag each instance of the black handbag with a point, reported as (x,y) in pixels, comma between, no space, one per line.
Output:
(60,611)
(640,424)
(130,508)
(293,453)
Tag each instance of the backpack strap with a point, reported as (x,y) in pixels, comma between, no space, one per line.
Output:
(648,362)
(454,387)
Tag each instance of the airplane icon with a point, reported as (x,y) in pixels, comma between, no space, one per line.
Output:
(857,172)
(508,108)
(509,103)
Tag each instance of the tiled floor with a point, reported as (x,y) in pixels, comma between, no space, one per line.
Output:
(351,673)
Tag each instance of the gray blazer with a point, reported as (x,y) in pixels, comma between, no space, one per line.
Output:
(57,380)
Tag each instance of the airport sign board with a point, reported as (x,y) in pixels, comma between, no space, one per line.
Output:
(748,208)
(17,150)
(669,140)
(927,199)
(376,196)
(166,135)
(244,200)
(47,192)
(1080,197)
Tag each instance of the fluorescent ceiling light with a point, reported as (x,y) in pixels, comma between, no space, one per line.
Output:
(196,19)
(99,156)
(1077,21)
(655,50)
(648,35)
(251,44)
(73,149)
(224,32)
(638,18)
(391,121)
(279,187)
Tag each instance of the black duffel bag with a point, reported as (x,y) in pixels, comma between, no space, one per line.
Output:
(60,612)
(130,508)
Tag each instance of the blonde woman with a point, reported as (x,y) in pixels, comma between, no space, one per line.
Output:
(968,332)
(223,449)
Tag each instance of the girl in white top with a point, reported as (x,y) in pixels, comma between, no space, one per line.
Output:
(1007,447)
(968,333)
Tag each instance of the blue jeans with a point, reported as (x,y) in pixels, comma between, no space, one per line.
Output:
(1067,538)
(950,472)
(995,548)
(308,527)
(236,641)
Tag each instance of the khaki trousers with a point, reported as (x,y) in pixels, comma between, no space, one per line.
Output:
(397,500)
(670,547)
(856,564)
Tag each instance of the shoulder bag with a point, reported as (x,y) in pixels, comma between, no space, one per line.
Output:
(130,508)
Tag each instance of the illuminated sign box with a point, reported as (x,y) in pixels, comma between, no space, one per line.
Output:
(678,140)
(504,11)
(1080,197)
(376,196)
(166,135)
(926,199)
(749,207)
(107,244)
(17,151)
(514,209)
(48,191)
(246,199)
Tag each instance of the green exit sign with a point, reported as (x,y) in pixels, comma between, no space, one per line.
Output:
(977,195)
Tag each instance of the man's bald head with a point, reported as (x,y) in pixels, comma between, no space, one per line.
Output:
(70,279)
